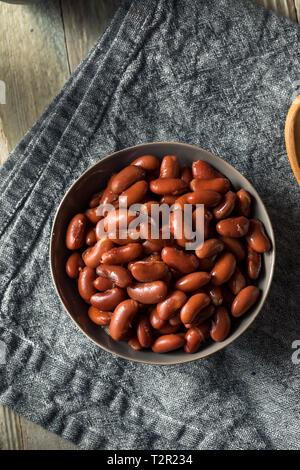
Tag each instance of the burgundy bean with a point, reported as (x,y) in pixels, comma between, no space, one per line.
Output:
(237,282)
(148,292)
(243,203)
(185,263)
(223,269)
(221,185)
(127,177)
(169,306)
(235,246)
(221,325)
(133,194)
(226,206)
(93,255)
(167,343)
(253,264)
(196,336)
(122,318)
(245,299)
(147,162)
(235,227)
(148,271)
(99,317)
(74,265)
(109,299)
(122,254)
(85,283)
(203,170)
(215,294)
(172,186)
(75,234)
(192,281)
(209,248)
(170,167)
(103,284)
(144,332)
(193,306)
(257,238)
(119,275)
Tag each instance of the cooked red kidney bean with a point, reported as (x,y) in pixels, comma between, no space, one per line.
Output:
(143,331)
(85,283)
(213,278)
(90,238)
(134,343)
(179,260)
(202,196)
(192,281)
(169,306)
(253,264)
(103,284)
(204,171)
(92,215)
(202,316)
(76,232)
(221,325)
(235,227)
(148,271)
(243,203)
(118,219)
(122,318)
(155,320)
(148,292)
(193,306)
(257,238)
(167,343)
(196,336)
(170,167)
(127,177)
(245,299)
(226,206)
(175,320)
(209,248)
(186,174)
(74,265)
(235,246)
(221,185)
(133,194)
(109,299)
(237,282)
(99,317)
(122,254)
(171,186)
(215,294)
(147,162)
(223,269)
(95,201)
(119,275)
(93,255)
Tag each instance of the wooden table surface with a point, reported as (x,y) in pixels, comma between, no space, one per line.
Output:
(40,46)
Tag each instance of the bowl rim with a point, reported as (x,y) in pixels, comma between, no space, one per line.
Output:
(189,357)
(289,134)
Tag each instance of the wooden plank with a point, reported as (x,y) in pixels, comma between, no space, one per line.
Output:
(282,7)
(37,438)
(297,5)
(84,24)
(10,430)
(33,63)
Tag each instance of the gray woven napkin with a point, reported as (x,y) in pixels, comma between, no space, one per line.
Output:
(220,75)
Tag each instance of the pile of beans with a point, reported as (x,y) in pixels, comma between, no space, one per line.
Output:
(152,292)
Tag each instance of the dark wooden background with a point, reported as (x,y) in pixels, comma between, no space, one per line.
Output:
(40,46)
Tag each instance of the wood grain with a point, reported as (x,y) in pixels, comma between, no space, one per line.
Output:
(282,7)
(297,5)
(84,24)
(10,430)
(33,63)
